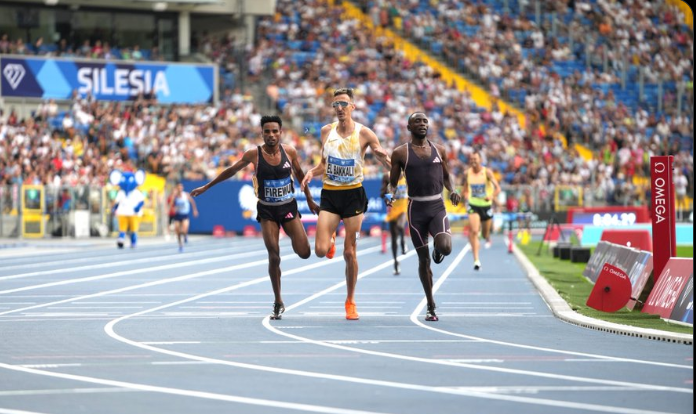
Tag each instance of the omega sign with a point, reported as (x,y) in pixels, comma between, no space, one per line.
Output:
(663,226)
(661,191)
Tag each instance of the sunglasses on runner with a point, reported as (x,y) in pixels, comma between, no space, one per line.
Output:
(342,104)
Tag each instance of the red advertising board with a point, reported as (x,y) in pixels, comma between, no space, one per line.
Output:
(668,288)
(612,290)
(662,212)
(636,238)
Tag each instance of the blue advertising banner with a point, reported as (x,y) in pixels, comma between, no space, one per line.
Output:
(232,204)
(34,77)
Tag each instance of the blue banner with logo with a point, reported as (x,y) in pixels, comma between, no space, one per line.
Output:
(117,80)
(232,204)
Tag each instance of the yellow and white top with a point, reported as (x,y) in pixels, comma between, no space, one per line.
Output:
(344,161)
(400,200)
(480,187)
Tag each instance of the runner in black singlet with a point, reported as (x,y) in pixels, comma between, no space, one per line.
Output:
(274,163)
(427,172)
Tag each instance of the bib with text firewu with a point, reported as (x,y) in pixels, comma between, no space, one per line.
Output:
(340,170)
(276,191)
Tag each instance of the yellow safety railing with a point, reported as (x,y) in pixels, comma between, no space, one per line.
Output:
(414,53)
(686,10)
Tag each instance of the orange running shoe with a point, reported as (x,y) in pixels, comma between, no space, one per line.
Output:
(332,250)
(351,312)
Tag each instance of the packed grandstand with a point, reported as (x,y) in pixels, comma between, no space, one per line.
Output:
(580,93)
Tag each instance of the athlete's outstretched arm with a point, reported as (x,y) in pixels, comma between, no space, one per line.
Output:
(321,167)
(384,188)
(398,160)
(300,175)
(373,142)
(496,186)
(247,158)
(465,186)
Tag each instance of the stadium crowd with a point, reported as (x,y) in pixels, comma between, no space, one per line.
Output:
(538,66)
(304,55)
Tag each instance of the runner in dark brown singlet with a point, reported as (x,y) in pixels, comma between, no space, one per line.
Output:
(427,172)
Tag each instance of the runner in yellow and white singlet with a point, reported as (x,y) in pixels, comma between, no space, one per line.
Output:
(343,147)
(396,216)
(480,190)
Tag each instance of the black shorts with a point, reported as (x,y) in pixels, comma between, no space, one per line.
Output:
(180,217)
(345,203)
(427,218)
(485,213)
(281,213)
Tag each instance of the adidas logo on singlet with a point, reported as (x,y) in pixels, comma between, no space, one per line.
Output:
(436,160)
(287,165)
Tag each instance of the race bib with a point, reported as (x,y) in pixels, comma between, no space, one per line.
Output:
(276,191)
(478,190)
(340,170)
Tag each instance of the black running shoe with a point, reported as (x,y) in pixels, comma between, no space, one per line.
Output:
(430,315)
(397,269)
(278,309)
(437,256)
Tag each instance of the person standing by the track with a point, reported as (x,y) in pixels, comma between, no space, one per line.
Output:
(424,163)
(274,164)
(343,147)
(480,190)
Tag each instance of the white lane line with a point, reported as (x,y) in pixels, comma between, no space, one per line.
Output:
(225,307)
(109,329)
(131,272)
(9,411)
(173,343)
(109,303)
(486,303)
(150,284)
(361,307)
(364,301)
(118,258)
(452,267)
(62,391)
(512,389)
(449,270)
(491,315)
(50,365)
(305,373)
(486,307)
(232,303)
(64,314)
(367,341)
(144,387)
(95,307)
(178,362)
(118,261)
(186,393)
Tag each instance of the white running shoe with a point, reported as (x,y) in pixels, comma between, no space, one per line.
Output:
(477,265)
(488,244)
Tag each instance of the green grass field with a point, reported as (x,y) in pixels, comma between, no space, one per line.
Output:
(566,277)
